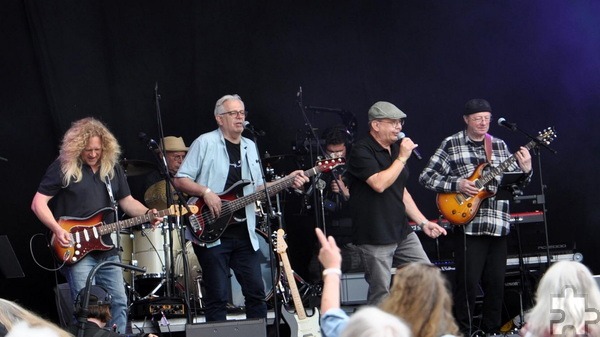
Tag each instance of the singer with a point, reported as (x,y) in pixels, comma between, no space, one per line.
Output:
(380,204)
(82,180)
(216,161)
(485,235)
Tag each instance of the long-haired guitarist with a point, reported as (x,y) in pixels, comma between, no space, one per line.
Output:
(78,184)
(217,161)
(481,243)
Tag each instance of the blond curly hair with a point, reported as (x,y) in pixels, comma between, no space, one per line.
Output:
(420,296)
(74,142)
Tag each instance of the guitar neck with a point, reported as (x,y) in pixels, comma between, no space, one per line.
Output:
(277,187)
(289,274)
(119,225)
(494,172)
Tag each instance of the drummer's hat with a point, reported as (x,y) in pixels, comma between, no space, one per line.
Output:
(174,144)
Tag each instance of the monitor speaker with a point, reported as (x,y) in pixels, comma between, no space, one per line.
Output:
(232,328)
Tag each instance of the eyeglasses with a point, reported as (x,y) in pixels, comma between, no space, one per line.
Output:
(395,123)
(234,113)
(480,119)
(176,156)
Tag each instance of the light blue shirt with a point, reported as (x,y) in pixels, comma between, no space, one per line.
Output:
(207,163)
(333,322)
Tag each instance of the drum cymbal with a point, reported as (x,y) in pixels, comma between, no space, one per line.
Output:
(156,195)
(134,167)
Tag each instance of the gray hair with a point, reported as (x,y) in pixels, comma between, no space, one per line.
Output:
(374,322)
(219,106)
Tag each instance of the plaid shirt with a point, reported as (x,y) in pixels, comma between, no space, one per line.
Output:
(458,157)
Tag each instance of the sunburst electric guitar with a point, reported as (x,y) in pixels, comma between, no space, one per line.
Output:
(207,228)
(86,233)
(300,324)
(459,208)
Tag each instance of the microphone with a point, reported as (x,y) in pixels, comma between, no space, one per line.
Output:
(255,131)
(502,122)
(151,143)
(415,151)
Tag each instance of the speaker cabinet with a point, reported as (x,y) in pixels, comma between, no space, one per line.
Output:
(232,328)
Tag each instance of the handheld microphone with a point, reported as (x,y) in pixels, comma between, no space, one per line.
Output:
(151,143)
(502,122)
(415,151)
(255,131)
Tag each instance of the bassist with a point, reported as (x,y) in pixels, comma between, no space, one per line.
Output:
(484,237)
(215,161)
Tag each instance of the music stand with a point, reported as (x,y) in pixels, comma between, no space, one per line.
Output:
(509,186)
(9,264)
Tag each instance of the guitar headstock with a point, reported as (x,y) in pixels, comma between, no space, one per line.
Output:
(327,165)
(176,210)
(547,135)
(280,244)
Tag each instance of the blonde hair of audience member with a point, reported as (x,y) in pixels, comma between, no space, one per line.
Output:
(554,284)
(11,314)
(374,322)
(420,296)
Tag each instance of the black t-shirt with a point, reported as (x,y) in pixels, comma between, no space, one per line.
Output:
(238,228)
(377,218)
(84,198)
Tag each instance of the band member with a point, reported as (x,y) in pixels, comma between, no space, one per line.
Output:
(82,180)
(480,245)
(175,151)
(380,203)
(216,160)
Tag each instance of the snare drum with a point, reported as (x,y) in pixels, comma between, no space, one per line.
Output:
(237,298)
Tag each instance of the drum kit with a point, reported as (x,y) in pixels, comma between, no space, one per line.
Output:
(160,250)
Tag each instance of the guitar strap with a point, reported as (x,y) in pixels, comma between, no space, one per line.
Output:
(487,143)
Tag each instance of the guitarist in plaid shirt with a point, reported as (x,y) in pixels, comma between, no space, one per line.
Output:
(481,244)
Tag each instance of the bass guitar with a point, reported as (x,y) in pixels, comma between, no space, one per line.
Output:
(207,228)
(86,233)
(459,208)
(300,324)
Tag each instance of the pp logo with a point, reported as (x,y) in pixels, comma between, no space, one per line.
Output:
(572,301)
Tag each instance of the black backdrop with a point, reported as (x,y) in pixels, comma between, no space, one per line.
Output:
(536,62)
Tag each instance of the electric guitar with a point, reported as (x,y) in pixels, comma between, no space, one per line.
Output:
(459,208)
(300,324)
(86,233)
(207,228)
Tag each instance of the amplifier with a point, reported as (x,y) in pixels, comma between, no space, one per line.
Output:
(170,307)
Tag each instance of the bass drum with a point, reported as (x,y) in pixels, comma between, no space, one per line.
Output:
(237,298)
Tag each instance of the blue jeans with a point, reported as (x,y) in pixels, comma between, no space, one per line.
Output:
(216,263)
(109,277)
(379,259)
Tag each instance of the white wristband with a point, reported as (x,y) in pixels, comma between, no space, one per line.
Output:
(206,191)
(423,223)
(336,271)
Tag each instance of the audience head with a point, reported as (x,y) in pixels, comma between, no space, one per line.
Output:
(420,296)
(566,293)
(98,305)
(19,321)
(374,322)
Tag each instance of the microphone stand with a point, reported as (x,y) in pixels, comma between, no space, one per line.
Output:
(542,185)
(271,214)
(83,315)
(170,271)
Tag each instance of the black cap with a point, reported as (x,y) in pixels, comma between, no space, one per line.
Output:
(476,105)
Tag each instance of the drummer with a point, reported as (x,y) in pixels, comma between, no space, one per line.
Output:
(175,151)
